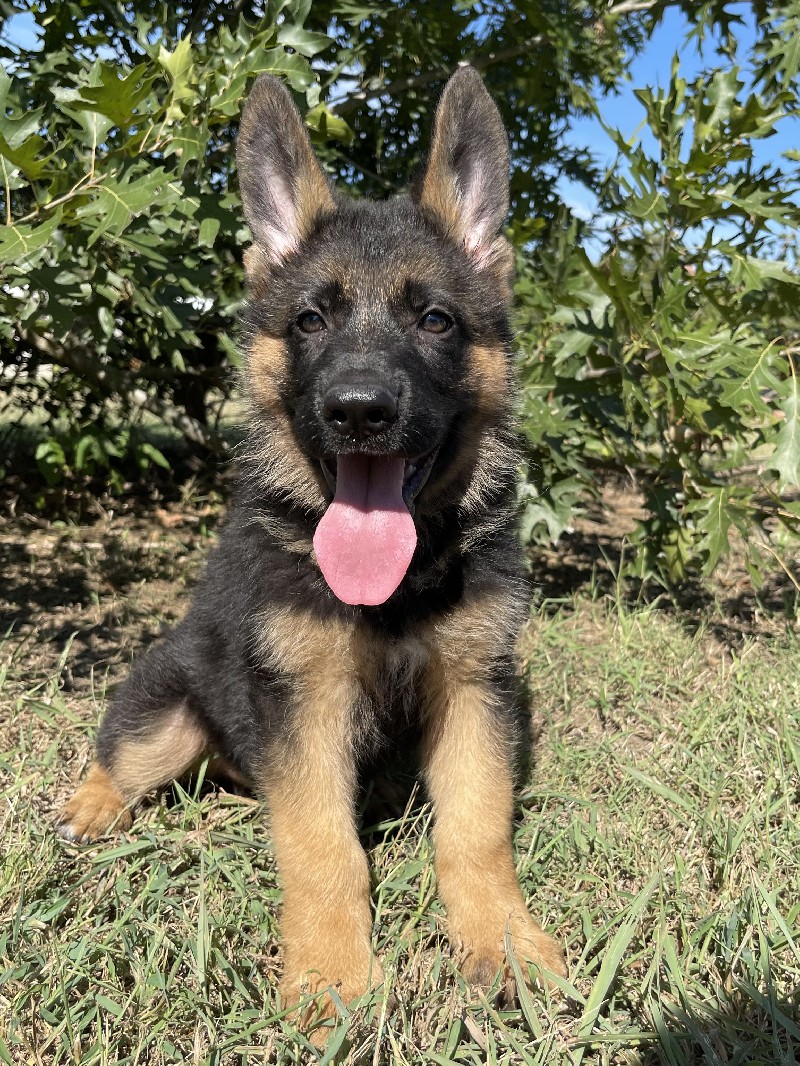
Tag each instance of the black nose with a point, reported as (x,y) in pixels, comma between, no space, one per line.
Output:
(360,410)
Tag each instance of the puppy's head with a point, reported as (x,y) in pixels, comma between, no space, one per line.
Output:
(377,333)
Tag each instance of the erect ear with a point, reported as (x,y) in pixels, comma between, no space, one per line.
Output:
(465,184)
(283,187)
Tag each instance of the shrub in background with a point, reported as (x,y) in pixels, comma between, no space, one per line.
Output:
(658,339)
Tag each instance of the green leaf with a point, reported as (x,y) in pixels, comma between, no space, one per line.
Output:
(298,10)
(147,245)
(303,41)
(27,156)
(21,124)
(294,67)
(51,460)
(24,245)
(150,454)
(117,201)
(328,125)
(105,316)
(748,377)
(209,228)
(94,126)
(117,96)
(715,526)
(189,142)
(178,65)
(259,59)
(783,47)
(754,273)
(721,94)
(760,203)
(554,510)
(116,1010)
(786,457)
(88,453)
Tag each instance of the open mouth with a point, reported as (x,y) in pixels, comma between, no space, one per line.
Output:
(366,539)
(415,474)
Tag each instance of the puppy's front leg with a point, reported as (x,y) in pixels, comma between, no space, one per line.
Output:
(310,790)
(468,762)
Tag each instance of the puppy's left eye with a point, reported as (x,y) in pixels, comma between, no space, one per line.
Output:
(435,322)
(311,322)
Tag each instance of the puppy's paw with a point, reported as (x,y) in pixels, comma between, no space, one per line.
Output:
(483,958)
(96,808)
(350,977)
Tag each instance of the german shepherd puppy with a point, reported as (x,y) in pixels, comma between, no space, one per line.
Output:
(367,583)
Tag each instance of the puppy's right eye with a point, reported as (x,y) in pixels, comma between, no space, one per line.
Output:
(435,322)
(311,322)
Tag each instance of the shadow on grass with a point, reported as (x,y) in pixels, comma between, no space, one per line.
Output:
(105,594)
(110,592)
(729,607)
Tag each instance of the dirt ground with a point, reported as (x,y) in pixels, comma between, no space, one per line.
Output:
(105,582)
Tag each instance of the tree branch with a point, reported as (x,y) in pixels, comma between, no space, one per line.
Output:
(418,81)
(629,6)
(106,380)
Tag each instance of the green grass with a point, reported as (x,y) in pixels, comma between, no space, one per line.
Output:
(658,837)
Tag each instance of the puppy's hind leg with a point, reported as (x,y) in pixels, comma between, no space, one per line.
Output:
(148,738)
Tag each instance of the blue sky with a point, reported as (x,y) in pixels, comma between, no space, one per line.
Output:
(652,69)
(21,29)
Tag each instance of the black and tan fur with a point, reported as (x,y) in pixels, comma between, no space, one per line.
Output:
(299,692)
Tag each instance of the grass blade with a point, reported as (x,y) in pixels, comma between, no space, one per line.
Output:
(611,964)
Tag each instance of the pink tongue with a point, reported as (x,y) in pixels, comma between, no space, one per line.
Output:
(366,538)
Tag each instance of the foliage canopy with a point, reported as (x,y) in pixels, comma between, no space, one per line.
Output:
(658,337)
